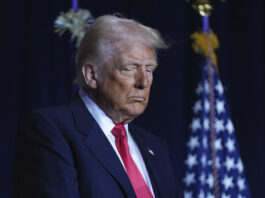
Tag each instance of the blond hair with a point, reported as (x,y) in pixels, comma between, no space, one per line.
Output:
(108,36)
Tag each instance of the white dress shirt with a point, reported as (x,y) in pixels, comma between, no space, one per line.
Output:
(106,125)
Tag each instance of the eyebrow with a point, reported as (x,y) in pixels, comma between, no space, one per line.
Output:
(132,62)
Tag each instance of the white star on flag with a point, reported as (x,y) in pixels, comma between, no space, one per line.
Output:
(240,166)
(187,194)
(202,178)
(230,126)
(205,142)
(206,87)
(192,160)
(229,163)
(197,107)
(210,180)
(201,195)
(218,144)
(219,87)
(194,142)
(241,184)
(230,145)
(228,182)
(206,106)
(189,179)
(210,195)
(199,89)
(195,125)
(219,125)
(220,106)
(203,160)
(206,124)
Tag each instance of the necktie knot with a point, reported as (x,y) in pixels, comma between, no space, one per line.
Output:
(119,130)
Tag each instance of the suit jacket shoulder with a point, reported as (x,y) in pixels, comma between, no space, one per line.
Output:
(44,162)
(62,152)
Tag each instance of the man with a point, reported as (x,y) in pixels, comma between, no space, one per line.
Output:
(87,149)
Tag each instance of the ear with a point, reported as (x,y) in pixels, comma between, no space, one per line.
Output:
(90,75)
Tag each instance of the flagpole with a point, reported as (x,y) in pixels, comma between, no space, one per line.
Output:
(213,164)
(75,5)
(204,8)
(205,24)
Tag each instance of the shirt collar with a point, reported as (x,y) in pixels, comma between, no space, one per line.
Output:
(103,120)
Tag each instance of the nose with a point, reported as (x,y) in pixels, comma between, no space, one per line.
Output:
(141,79)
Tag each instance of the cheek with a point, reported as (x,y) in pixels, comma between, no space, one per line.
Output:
(123,89)
(117,93)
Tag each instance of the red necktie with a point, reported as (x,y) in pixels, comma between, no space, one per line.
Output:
(140,187)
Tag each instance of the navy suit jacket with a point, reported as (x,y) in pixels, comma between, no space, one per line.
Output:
(61,152)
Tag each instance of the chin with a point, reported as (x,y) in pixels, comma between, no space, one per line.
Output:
(136,111)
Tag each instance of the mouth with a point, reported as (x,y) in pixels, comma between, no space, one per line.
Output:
(138,98)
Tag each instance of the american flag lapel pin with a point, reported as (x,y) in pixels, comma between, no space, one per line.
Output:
(151,152)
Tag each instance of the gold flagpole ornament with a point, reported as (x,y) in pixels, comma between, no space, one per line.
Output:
(205,42)
(203,7)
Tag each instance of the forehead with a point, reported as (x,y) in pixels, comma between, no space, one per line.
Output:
(137,52)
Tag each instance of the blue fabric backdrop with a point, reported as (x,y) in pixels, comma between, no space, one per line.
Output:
(38,67)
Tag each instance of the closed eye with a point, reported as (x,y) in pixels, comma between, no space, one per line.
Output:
(128,68)
(150,69)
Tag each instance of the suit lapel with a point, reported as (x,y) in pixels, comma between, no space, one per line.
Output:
(149,153)
(99,145)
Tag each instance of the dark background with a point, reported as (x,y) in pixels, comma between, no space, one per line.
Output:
(38,67)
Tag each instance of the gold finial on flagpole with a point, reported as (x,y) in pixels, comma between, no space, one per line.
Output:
(203,7)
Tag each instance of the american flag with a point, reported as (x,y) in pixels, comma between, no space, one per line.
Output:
(213,165)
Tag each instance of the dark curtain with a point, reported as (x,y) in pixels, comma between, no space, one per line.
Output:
(38,69)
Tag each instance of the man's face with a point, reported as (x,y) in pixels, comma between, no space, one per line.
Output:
(123,89)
